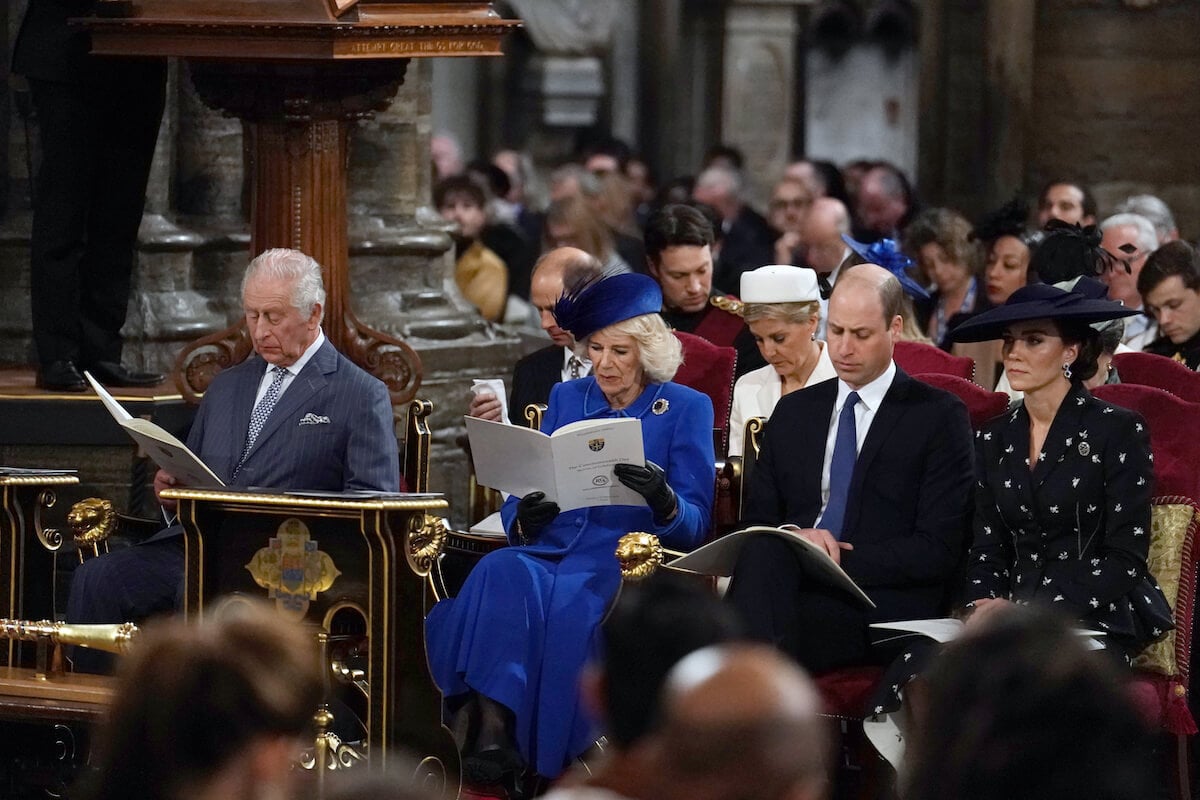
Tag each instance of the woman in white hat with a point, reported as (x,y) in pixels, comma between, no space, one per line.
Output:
(782,309)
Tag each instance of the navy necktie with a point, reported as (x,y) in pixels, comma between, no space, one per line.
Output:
(258,417)
(841,468)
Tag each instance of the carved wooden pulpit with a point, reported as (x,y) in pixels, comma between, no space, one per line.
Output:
(299,72)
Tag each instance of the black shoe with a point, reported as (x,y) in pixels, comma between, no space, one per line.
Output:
(110,373)
(61,376)
(492,766)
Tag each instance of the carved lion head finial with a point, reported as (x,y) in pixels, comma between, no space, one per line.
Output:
(92,520)
(639,555)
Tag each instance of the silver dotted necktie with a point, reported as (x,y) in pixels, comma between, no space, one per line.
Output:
(576,367)
(258,417)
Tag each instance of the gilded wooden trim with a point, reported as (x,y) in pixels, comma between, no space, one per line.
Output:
(427,502)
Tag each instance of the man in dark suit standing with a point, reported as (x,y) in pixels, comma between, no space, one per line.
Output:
(98,122)
(875,468)
(537,373)
(297,415)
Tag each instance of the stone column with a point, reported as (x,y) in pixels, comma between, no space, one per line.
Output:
(759,87)
(1008,77)
(402,271)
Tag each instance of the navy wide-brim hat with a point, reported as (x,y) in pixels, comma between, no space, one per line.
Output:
(1038,301)
(607,300)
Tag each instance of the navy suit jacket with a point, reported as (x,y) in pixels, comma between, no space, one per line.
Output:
(533,378)
(908,509)
(331,430)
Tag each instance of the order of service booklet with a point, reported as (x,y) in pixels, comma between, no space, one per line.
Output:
(947,629)
(166,450)
(719,557)
(573,466)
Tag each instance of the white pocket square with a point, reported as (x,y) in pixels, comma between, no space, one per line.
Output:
(313,419)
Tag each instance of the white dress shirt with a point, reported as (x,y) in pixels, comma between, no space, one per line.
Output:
(292,371)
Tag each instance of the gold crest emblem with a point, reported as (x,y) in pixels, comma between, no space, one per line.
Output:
(595,445)
(292,569)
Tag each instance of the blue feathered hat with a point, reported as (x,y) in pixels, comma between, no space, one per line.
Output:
(886,254)
(606,300)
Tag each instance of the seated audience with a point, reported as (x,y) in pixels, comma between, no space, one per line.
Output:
(884,203)
(1063,481)
(651,626)
(822,247)
(1019,708)
(247,432)
(212,710)
(939,239)
(1153,209)
(479,273)
(537,373)
(1008,246)
(822,178)
(789,204)
(747,240)
(1067,202)
(781,310)
(741,721)
(679,256)
(1170,286)
(874,468)
(507,652)
(1129,240)
(571,222)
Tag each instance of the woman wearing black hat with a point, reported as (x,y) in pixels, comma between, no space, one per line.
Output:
(1064,480)
(510,648)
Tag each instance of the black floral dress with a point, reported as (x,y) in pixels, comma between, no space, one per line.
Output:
(1071,532)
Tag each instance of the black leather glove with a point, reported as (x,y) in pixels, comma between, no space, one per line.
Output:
(651,483)
(534,512)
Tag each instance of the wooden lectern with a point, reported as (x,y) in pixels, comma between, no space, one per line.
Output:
(299,72)
(356,567)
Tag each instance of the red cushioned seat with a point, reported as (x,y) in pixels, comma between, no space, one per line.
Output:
(982,405)
(1147,369)
(917,357)
(845,692)
(709,369)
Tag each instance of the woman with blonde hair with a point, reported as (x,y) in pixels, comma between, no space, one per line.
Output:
(509,650)
(782,309)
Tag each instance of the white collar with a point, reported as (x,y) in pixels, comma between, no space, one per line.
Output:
(308,353)
(873,393)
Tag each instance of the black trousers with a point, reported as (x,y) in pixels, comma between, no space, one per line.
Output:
(822,628)
(97,142)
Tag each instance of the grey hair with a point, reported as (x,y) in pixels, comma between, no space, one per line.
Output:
(1147,239)
(722,179)
(796,312)
(589,184)
(1153,209)
(659,350)
(280,263)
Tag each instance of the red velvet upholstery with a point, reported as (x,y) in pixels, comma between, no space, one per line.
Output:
(845,692)
(709,368)
(1173,425)
(916,358)
(1147,369)
(982,405)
